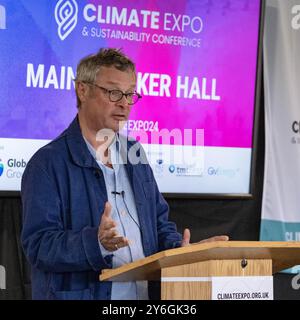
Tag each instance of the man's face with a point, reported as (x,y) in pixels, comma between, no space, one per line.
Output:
(97,111)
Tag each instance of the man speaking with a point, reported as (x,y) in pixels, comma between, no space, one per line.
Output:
(86,206)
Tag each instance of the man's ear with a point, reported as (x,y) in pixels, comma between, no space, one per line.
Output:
(82,91)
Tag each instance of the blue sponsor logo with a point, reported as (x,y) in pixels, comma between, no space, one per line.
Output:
(172,168)
(159,167)
(1,168)
(186,170)
(14,168)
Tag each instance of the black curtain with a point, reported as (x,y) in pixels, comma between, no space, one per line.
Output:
(11,254)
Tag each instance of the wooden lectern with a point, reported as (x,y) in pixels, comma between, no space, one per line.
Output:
(185,273)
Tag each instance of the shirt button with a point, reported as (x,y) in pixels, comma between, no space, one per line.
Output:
(123,213)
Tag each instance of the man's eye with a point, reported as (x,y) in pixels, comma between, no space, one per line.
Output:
(116,92)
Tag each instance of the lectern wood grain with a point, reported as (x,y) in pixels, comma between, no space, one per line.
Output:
(283,255)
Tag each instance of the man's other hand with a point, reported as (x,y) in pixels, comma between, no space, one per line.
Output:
(186,238)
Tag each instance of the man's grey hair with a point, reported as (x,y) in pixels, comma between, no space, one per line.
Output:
(88,67)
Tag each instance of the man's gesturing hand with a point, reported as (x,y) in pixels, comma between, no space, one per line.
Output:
(107,233)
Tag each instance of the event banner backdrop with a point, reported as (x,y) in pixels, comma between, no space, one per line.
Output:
(196,69)
(281,200)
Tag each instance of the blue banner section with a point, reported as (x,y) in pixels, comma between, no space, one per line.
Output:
(272,230)
(37,96)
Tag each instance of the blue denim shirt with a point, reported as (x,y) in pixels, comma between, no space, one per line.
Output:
(124,213)
(63,196)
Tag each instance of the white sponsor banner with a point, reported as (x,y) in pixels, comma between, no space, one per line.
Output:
(281,201)
(242,288)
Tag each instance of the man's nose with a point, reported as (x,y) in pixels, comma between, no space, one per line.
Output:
(123,102)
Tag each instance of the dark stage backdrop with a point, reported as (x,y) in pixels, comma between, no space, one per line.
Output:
(240,219)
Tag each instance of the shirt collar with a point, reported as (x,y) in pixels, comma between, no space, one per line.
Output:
(114,149)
